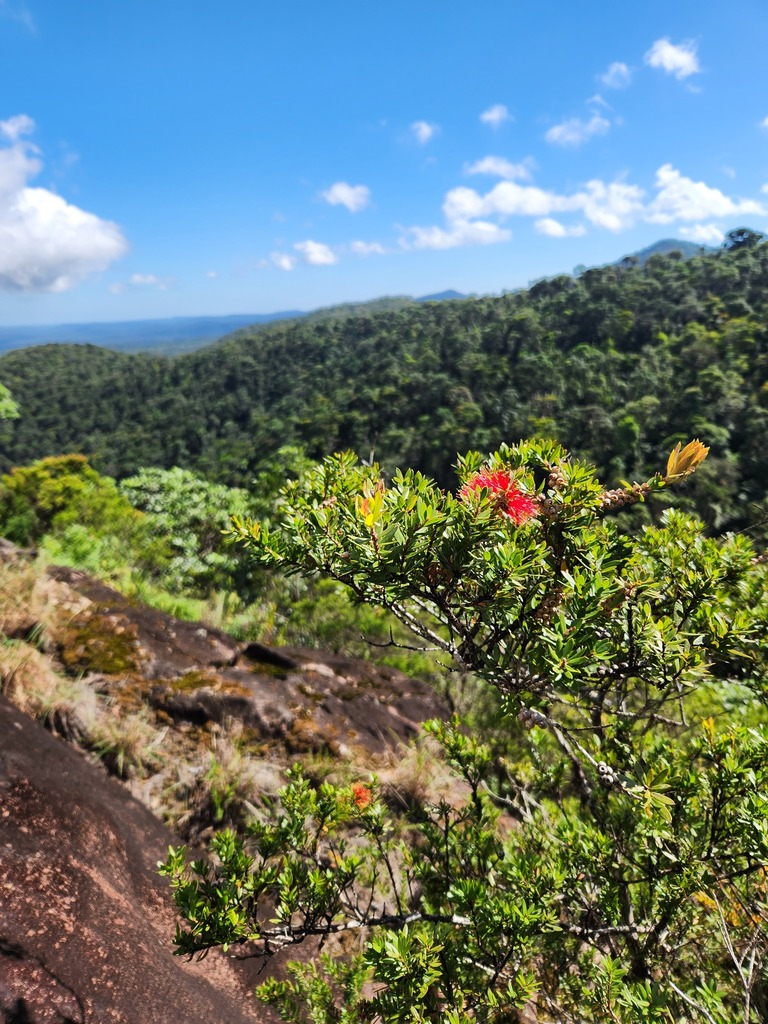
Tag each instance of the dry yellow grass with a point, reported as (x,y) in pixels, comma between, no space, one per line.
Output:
(28,679)
(26,598)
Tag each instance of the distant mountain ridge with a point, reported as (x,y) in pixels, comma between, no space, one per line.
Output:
(179,334)
(446,296)
(667,245)
(173,335)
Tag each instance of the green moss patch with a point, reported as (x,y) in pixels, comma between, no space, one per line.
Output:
(99,642)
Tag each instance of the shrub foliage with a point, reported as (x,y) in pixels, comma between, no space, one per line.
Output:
(607,859)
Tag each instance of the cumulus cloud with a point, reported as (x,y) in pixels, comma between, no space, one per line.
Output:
(496,115)
(554,229)
(498,167)
(507,199)
(707,234)
(367,248)
(681,198)
(423,131)
(575,131)
(317,254)
(618,76)
(458,233)
(46,243)
(282,260)
(354,197)
(615,205)
(477,218)
(679,60)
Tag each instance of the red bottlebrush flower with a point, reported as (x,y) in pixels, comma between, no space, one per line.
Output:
(361,796)
(512,501)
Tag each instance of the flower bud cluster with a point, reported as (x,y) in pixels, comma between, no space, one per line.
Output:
(620,496)
(550,603)
(607,774)
(531,718)
(556,479)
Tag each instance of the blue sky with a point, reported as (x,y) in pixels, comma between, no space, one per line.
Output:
(183,158)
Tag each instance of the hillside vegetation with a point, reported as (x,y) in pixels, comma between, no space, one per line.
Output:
(616,364)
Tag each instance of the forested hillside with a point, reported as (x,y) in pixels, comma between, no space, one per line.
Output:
(617,364)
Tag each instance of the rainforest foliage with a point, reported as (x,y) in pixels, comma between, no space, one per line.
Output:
(626,879)
(617,364)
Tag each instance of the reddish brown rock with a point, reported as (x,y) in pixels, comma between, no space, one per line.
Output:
(309,699)
(85,921)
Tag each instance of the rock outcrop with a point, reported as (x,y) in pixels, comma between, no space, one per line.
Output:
(307,699)
(85,920)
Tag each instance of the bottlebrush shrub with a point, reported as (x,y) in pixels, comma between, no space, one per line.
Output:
(609,863)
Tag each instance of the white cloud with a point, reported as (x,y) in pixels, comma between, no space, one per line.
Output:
(368,248)
(681,198)
(212,273)
(614,206)
(151,280)
(424,131)
(14,127)
(764,124)
(317,254)
(554,229)
(707,234)
(476,218)
(679,60)
(496,115)
(46,244)
(18,163)
(354,197)
(575,131)
(141,281)
(458,233)
(618,76)
(507,199)
(498,167)
(764,189)
(283,261)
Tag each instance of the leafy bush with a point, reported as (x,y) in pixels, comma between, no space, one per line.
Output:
(608,860)
(64,493)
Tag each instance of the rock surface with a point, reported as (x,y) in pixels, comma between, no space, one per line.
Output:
(85,920)
(308,699)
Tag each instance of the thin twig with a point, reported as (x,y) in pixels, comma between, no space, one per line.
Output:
(692,1002)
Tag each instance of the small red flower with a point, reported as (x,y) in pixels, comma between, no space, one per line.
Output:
(361,796)
(512,501)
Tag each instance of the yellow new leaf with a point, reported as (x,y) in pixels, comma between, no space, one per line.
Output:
(683,461)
